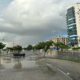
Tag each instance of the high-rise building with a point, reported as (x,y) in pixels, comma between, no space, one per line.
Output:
(73,24)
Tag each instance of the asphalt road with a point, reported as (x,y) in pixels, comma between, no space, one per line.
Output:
(28,69)
(69,68)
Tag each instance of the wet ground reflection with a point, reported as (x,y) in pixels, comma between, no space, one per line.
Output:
(17,63)
(27,68)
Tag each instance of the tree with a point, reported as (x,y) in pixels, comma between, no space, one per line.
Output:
(17,48)
(76,48)
(44,45)
(61,46)
(48,44)
(9,48)
(1,47)
(29,47)
(39,46)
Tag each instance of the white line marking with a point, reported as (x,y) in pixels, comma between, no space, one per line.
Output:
(64,73)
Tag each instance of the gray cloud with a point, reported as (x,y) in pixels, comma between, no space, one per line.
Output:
(33,20)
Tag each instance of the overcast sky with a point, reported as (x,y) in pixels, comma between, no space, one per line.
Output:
(30,21)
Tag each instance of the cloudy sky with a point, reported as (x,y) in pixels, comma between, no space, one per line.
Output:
(30,21)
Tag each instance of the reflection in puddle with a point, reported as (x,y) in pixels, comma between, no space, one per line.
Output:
(6,60)
(17,63)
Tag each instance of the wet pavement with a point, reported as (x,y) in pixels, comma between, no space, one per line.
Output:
(27,68)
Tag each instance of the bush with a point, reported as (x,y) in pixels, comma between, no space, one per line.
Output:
(77,48)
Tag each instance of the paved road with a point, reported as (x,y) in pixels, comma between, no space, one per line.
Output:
(27,69)
(69,68)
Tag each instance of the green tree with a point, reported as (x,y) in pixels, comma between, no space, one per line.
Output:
(48,44)
(40,45)
(9,48)
(76,48)
(17,48)
(29,47)
(44,45)
(61,46)
(1,47)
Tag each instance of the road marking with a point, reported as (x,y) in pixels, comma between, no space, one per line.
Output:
(66,74)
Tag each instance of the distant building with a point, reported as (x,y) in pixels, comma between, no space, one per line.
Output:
(73,24)
(61,39)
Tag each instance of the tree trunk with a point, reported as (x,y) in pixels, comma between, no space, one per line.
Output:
(44,54)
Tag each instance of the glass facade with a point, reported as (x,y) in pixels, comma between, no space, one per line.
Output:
(71,26)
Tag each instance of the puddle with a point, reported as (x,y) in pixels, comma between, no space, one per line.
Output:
(12,63)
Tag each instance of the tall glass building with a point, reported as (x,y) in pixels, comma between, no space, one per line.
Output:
(73,25)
